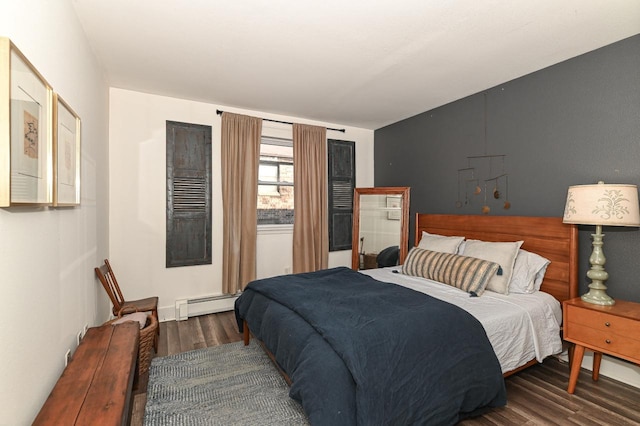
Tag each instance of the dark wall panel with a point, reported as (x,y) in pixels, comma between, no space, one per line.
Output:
(572,123)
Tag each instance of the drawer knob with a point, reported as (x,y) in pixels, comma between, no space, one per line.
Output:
(607,324)
(608,341)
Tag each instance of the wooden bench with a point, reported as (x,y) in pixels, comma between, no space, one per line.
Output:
(95,387)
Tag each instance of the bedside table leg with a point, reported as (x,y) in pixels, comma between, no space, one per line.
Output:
(597,359)
(576,362)
(570,353)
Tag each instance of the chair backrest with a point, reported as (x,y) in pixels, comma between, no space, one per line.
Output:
(108,279)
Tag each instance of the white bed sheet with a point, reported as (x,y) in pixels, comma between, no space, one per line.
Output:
(519,326)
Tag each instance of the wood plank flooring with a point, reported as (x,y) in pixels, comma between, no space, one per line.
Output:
(536,396)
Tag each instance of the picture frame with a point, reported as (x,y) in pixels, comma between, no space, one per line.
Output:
(394,204)
(25,131)
(66,154)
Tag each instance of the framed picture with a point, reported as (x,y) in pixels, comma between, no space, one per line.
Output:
(25,131)
(394,205)
(66,154)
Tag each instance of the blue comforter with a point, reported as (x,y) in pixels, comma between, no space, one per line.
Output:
(359,351)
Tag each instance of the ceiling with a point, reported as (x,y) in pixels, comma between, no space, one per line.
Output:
(363,63)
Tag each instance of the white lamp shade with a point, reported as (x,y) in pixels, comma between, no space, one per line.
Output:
(602,204)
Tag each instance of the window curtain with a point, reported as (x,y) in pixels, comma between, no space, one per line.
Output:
(310,216)
(240,161)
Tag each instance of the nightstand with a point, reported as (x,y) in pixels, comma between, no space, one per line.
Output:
(612,330)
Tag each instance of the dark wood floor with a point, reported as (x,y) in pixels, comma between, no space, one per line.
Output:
(536,396)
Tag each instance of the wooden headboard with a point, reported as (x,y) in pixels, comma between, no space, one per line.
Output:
(546,236)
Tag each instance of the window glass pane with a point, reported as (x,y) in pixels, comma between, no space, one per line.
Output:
(267,190)
(275,201)
(268,173)
(286,173)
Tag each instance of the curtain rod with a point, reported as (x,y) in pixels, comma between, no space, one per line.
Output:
(219,112)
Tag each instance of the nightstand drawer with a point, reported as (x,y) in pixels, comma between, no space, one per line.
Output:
(602,321)
(604,341)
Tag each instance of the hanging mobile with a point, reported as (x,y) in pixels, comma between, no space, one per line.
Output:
(485,208)
(507,204)
(496,191)
(477,189)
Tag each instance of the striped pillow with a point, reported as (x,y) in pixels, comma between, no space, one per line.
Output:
(466,273)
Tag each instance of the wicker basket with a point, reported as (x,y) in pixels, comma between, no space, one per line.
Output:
(147,337)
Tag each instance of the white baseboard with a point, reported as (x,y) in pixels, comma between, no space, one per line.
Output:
(614,368)
(166,313)
(183,310)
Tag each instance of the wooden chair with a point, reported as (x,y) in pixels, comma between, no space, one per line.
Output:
(108,279)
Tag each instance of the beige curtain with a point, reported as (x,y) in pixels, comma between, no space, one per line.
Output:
(240,161)
(310,224)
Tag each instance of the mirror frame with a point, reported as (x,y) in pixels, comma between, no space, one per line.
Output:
(404,220)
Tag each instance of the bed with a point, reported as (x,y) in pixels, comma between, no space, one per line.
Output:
(431,358)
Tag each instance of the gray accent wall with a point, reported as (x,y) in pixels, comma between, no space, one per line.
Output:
(573,123)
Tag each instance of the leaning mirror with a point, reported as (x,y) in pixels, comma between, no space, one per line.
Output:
(380,227)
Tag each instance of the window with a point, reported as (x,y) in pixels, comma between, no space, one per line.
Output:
(275,187)
(275,182)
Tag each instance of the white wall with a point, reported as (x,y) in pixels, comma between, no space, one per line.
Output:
(137,135)
(47,255)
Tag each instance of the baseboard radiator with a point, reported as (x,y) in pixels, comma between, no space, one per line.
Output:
(186,308)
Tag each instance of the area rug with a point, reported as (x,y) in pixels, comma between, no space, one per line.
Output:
(229,384)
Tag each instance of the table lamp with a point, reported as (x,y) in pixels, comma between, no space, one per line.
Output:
(601,204)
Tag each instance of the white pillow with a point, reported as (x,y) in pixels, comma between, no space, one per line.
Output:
(537,281)
(528,272)
(441,243)
(504,254)
(461,247)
